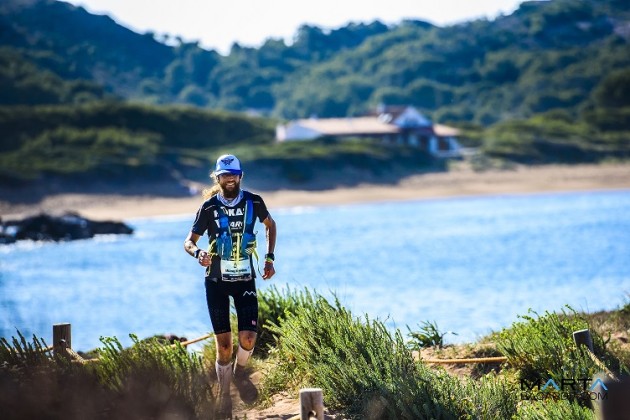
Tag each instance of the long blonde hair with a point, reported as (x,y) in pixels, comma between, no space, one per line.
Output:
(214,189)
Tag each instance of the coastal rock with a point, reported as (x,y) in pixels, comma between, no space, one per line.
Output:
(67,227)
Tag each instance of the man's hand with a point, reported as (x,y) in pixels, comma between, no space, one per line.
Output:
(268,271)
(204,259)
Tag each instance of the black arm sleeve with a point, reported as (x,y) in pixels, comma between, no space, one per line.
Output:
(261,208)
(202,219)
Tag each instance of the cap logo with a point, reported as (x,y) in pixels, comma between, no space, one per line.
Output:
(227,161)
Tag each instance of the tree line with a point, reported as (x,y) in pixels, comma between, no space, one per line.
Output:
(548,83)
(545,56)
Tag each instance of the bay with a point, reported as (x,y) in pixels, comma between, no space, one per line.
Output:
(472,265)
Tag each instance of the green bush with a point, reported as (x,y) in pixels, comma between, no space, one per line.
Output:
(273,307)
(172,379)
(148,380)
(556,137)
(553,410)
(66,150)
(21,354)
(36,384)
(367,372)
(542,347)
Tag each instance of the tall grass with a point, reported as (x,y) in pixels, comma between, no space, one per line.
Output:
(553,410)
(37,384)
(273,306)
(173,380)
(148,380)
(367,372)
(541,344)
(23,354)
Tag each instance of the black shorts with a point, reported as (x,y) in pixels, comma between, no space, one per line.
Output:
(245,301)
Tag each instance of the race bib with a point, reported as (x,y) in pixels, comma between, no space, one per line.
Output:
(236,270)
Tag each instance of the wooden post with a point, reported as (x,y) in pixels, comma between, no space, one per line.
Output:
(611,402)
(311,403)
(62,338)
(583,337)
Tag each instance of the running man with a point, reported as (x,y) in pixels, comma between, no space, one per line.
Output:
(229,215)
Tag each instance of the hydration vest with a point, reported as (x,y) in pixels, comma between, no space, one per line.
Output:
(233,246)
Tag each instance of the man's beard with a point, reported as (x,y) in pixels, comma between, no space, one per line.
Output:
(231,192)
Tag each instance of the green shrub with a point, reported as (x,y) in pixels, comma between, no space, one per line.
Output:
(36,384)
(540,344)
(67,150)
(273,306)
(171,379)
(22,354)
(490,397)
(542,348)
(553,410)
(148,380)
(367,372)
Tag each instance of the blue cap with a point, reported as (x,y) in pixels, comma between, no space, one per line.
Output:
(228,164)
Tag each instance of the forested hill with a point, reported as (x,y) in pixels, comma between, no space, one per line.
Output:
(85,99)
(547,55)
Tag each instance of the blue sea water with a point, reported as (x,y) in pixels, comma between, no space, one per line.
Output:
(472,265)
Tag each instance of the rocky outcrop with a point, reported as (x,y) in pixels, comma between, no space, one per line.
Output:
(67,227)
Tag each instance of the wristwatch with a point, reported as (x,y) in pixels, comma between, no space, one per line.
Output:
(196,253)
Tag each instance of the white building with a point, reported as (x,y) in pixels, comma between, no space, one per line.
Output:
(394,125)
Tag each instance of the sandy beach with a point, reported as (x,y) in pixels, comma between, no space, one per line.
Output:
(460,181)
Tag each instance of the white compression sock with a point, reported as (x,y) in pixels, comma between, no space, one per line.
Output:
(224,376)
(242,355)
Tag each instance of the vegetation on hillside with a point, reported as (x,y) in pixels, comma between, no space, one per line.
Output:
(108,139)
(115,140)
(364,369)
(86,97)
(546,55)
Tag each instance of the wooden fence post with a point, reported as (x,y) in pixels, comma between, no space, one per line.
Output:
(609,395)
(62,338)
(311,403)
(583,337)
(611,402)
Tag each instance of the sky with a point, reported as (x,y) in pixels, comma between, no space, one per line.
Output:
(218,24)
